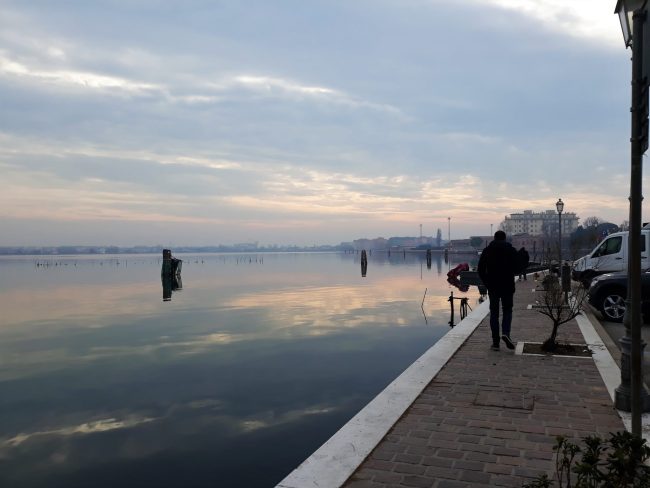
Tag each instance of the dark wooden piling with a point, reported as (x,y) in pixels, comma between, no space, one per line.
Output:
(167,262)
(451,303)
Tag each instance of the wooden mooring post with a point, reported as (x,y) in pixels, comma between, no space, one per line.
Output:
(167,262)
(464,305)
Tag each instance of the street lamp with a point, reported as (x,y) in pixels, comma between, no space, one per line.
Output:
(625,10)
(559,205)
(630,395)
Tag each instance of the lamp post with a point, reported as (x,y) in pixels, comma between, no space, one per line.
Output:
(559,205)
(630,395)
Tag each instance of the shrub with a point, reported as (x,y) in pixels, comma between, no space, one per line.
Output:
(617,462)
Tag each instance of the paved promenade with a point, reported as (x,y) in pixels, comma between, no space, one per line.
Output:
(490,418)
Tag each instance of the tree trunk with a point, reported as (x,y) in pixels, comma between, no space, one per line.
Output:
(550,344)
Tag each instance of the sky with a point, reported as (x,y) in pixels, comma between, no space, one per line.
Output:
(143,122)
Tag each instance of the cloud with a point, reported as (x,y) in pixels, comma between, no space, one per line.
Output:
(88,80)
(277,86)
(267,84)
(581,18)
(263,124)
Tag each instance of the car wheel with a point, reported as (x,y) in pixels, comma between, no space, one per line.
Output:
(612,305)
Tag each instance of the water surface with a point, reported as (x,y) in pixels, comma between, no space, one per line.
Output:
(244,372)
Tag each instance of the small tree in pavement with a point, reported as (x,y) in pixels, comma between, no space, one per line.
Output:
(553,305)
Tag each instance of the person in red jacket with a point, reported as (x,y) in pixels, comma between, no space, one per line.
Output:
(497,268)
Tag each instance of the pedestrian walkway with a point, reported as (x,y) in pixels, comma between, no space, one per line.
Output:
(465,416)
(490,418)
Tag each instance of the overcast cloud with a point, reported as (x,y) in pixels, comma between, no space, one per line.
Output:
(205,122)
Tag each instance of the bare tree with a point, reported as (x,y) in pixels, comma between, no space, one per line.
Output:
(593,221)
(555,306)
(625,225)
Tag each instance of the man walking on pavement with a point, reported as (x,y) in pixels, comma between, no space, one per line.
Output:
(497,268)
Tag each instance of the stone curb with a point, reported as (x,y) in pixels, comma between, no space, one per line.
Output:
(336,460)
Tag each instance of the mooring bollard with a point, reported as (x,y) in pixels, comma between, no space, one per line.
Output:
(451,303)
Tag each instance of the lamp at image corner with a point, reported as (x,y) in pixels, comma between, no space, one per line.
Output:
(625,9)
(631,395)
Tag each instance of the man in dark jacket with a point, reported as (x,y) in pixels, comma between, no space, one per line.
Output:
(497,268)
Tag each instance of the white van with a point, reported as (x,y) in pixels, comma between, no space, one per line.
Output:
(610,256)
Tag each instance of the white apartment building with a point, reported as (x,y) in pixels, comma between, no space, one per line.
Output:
(540,223)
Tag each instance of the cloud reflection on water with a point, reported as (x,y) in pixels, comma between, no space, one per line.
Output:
(279,312)
(92,427)
(111,380)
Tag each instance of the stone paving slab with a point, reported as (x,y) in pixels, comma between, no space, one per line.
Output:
(490,418)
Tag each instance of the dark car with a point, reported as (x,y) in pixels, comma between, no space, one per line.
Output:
(608,293)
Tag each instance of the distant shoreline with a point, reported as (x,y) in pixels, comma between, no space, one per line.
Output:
(113,250)
(116,251)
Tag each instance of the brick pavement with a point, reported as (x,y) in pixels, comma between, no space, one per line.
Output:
(490,418)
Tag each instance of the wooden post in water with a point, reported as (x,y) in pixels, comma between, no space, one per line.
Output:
(364,263)
(451,302)
(167,262)
(463,308)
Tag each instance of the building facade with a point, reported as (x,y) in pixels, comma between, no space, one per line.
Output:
(540,223)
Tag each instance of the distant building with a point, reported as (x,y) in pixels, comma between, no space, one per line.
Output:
(537,246)
(246,246)
(393,242)
(369,244)
(480,242)
(540,223)
(462,245)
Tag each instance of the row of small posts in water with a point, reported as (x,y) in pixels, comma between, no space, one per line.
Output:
(364,260)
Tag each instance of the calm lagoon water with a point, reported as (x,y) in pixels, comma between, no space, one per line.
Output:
(248,369)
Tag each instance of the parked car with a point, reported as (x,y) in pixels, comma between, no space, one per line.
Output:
(608,293)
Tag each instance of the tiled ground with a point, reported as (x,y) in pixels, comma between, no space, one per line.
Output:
(490,418)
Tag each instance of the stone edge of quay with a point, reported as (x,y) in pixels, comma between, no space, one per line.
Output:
(335,461)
